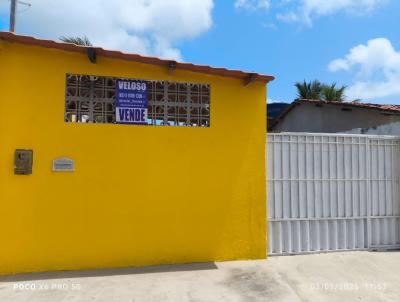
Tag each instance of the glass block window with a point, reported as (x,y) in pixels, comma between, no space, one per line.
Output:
(91,99)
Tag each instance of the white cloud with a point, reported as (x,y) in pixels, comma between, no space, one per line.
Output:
(145,26)
(252,4)
(306,10)
(288,17)
(377,69)
(270,25)
(338,64)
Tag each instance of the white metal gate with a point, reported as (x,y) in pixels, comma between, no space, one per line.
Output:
(330,192)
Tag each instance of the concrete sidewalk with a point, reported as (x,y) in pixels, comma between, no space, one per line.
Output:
(350,276)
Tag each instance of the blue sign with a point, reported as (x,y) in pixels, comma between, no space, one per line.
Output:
(131,102)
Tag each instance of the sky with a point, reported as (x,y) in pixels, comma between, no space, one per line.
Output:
(355,43)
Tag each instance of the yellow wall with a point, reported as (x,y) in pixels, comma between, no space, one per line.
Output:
(140,195)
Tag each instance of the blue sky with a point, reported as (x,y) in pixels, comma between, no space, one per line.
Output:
(291,52)
(293,40)
(3,22)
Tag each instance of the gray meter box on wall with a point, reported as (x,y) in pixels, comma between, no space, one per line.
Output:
(23,160)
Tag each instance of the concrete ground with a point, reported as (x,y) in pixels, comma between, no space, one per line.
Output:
(350,276)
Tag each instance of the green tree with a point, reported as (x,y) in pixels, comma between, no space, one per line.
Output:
(332,93)
(83,41)
(309,90)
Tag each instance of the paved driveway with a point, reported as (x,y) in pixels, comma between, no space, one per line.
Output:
(351,276)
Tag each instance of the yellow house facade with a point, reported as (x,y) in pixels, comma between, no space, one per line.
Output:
(78,190)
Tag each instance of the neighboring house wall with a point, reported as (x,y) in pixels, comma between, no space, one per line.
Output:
(140,195)
(330,119)
(387,129)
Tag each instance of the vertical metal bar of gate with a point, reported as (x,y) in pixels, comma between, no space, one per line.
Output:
(385,181)
(330,192)
(369,201)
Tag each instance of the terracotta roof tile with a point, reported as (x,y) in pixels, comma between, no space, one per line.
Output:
(384,107)
(11,37)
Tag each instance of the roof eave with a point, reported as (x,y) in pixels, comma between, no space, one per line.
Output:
(219,71)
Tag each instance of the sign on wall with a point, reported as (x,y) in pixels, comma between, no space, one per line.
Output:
(64,164)
(131,101)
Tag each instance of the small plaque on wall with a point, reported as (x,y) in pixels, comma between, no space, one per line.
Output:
(63,164)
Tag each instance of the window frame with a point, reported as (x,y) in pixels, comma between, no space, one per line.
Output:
(170,103)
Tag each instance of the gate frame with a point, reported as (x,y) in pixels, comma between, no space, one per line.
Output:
(368,218)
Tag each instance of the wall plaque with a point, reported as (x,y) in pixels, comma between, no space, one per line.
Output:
(64,164)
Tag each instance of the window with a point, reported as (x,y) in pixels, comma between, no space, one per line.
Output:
(91,99)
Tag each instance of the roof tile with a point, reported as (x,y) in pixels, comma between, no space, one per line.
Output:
(11,37)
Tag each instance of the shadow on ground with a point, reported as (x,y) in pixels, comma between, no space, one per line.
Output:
(109,272)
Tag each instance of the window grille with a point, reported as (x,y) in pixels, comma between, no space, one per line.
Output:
(91,99)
